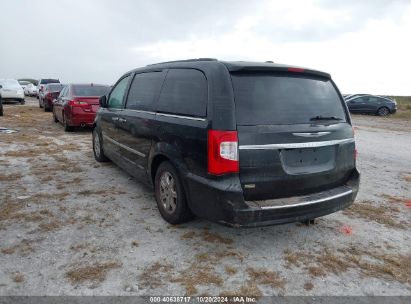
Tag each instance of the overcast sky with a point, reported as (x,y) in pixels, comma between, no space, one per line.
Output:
(364,45)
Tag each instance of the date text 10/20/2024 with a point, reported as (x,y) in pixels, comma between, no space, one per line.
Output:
(223,299)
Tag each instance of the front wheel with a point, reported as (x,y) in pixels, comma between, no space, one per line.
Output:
(1,108)
(383,111)
(98,148)
(170,196)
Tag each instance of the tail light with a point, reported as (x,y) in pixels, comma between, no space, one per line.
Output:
(222,152)
(295,70)
(77,103)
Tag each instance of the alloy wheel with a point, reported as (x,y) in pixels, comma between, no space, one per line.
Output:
(168,193)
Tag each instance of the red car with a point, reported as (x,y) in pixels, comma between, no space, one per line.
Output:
(77,104)
(51,92)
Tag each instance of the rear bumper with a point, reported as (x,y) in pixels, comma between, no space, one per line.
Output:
(224,203)
(84,119)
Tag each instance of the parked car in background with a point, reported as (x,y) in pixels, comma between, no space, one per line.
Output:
(51,92)
(239,143)
(41,84)
(77,104)
(1,107)
(30,90)
(23,84)
(11,90)
(370,104)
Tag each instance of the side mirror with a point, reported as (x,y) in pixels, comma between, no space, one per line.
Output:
(103,101)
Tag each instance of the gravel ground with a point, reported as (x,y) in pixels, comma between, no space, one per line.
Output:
(71,226)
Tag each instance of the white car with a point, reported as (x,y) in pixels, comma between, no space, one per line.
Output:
(10,89)
(30,90)
(23,83)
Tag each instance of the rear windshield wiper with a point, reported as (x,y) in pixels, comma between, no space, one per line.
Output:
(319,117)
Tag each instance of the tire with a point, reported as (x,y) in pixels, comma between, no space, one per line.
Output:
(46,108)
(98,148)
(55,117)
(1,108)
(383,111)
(170,196)
(67,127)
(22,101)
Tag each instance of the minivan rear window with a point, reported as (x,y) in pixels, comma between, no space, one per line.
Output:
(269,99)
(184,92)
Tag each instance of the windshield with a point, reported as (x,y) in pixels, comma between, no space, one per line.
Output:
(54,87)
(46,81)
(9,83)
(267,99)
(90,90)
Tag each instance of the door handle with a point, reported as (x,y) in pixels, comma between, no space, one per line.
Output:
(114,118)
(122,120)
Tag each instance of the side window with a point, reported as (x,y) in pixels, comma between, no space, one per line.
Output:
(184,92)
(374,100)
(63,92)
(117,94)
(143,90)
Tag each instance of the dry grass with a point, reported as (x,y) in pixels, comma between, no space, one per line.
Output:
(156,275)
(188,235)
(368,262)
(18,277)
(266,277)
(95,272)
(230,270)
(382,214)
(24,248)
(197,275)
(308,286)
(49,226)
(10,177)
(215,238)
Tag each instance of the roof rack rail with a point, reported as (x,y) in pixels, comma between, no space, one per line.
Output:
(185,60)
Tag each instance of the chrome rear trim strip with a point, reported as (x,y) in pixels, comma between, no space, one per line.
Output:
(181,116)
(349,192)
(123,146)
(313,144)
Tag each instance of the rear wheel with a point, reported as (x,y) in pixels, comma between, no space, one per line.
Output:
(383,111)
(22,101)
(170,196)
(98,148)
(1,107)
(55,117)
(67,127)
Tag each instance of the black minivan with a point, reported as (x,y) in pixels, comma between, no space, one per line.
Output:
(239,143)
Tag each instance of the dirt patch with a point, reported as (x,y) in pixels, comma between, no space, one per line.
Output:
(382,214)
(95,272)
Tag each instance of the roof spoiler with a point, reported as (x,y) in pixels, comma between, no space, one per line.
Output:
(284,69)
